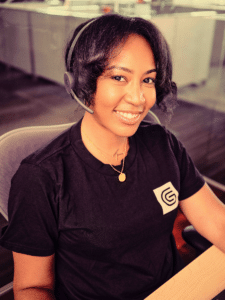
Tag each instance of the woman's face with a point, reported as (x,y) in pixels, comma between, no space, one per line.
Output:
(126,90)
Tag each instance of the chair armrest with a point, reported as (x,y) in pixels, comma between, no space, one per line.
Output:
(195,239)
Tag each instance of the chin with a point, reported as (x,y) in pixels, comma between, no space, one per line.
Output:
(128,130)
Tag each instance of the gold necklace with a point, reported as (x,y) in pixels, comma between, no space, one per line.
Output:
(122,176)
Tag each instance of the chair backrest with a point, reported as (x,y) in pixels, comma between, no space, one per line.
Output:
(152,118)
(17,144)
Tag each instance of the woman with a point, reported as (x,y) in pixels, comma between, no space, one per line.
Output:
(91,215)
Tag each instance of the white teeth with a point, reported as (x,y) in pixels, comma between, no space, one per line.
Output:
(128,115)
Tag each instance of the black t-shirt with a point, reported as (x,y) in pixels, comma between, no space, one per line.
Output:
(112,240)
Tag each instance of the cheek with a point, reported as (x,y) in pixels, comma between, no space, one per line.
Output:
(107,96)
(112,91)
(151,97)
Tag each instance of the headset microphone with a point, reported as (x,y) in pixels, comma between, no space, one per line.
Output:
(68,77)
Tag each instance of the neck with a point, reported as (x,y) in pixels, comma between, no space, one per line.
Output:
(102,143)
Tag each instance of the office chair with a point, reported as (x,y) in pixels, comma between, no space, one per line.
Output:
(17,144)
(195,239)
(190,235)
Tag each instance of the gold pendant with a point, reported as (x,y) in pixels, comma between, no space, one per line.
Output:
(122,177)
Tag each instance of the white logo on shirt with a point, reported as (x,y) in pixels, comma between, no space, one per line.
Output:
(167,197)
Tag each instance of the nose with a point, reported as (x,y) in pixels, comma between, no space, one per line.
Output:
(135,95)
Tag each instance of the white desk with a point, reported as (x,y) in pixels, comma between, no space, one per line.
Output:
(202,279)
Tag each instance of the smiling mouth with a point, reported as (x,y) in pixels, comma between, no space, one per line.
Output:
(128,117)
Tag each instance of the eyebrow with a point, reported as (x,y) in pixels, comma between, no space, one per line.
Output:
(128,70)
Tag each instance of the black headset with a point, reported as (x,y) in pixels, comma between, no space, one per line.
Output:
(68,77)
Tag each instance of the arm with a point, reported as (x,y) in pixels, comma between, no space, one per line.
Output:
(33,277)
(204,277)
(207,214)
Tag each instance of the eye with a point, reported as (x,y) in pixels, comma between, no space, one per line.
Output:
(118,78)
(149,80)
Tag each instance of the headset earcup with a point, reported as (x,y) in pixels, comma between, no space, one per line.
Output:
(68,80)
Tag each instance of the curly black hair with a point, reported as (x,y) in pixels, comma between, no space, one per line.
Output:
(96,45)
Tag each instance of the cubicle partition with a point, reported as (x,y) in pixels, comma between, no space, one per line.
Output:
(33,39)
(14,39)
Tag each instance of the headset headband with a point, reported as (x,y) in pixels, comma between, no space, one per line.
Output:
(74,43)
(68,77)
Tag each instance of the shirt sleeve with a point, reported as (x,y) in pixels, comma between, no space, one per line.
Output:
(191,181)
(32,209)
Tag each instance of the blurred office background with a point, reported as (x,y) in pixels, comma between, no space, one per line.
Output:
(33,35)
(32,41)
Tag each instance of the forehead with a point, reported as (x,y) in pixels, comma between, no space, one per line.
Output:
(135,51)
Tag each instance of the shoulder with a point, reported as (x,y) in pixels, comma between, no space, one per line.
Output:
(160,141)
(51,150)
(52,159)
(156,135)
(172,158)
